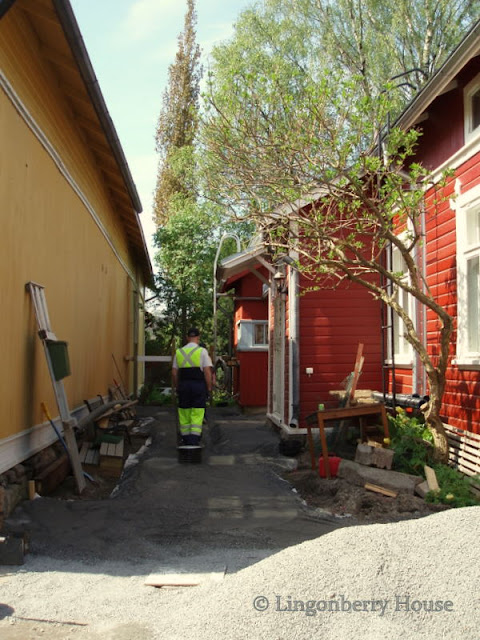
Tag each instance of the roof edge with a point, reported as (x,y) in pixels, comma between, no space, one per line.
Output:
(75,39)
(465,50)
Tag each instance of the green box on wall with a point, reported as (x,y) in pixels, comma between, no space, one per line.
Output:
(58,351)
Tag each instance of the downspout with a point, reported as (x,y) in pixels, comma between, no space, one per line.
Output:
(294,360)
(294,347)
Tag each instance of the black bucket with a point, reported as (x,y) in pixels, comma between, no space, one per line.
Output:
(189,454)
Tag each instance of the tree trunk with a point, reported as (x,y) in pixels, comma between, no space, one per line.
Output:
(434,423)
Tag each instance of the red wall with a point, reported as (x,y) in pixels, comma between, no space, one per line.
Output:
(332,324)
(443,131)
(461,406)
(251,375)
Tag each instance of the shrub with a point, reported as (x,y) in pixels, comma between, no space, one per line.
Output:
(412,442)
(455,488)
(152,394)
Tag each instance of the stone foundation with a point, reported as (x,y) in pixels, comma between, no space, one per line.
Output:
(14,482)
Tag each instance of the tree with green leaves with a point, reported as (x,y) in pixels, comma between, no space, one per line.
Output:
(178,123)
(185,228)
(296,104)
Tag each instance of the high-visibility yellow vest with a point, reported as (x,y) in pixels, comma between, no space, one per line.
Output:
(189,357)
(188,361)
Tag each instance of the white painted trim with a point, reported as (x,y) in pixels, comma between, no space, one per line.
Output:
(21,446)
(291,431)
(464,202)
(150,358)
(472,87)
(50,149)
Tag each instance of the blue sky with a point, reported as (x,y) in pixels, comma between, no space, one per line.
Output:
(131,44)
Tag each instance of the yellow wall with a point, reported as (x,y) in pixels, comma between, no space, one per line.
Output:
(47,235)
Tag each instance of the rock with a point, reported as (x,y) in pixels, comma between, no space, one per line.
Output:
(20,472)
(359,474)
(363,455)
(382,458)
(422,489)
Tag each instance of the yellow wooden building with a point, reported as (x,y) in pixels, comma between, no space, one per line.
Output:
(68,221)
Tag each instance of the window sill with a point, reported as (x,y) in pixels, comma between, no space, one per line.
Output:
(399,364)
(467,363)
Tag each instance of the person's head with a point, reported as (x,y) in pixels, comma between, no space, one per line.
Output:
(193,335)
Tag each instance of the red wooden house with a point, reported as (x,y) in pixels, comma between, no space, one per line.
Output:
(447,111)
(314,337)
(246,279)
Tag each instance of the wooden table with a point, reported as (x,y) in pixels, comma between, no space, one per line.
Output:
(361,411)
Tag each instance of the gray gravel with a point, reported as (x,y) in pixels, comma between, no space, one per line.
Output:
(375,569)
(85,577)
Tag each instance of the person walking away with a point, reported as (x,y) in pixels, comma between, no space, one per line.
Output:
(192,379)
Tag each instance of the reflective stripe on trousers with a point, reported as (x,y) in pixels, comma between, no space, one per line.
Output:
(191,421)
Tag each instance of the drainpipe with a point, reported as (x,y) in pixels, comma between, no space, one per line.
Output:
(294,360)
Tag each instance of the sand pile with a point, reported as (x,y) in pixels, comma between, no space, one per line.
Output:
(412,579)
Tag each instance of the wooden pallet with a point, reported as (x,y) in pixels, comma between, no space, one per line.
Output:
(111,456)
(89,456)
(464,450)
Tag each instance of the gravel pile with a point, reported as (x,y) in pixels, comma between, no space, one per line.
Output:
(413,579)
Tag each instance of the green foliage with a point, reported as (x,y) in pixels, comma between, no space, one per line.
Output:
(412,442)
(221,398)
(455,488)
(152,395)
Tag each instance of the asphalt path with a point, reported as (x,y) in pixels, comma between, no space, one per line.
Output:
(229,512)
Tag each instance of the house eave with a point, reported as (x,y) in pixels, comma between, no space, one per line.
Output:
(465,51)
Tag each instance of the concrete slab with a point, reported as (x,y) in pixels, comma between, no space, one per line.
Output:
(359,475)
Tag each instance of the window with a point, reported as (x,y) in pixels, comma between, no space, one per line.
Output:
(252,335)
(471,96)
(260,334)
(402,350)
(468,277)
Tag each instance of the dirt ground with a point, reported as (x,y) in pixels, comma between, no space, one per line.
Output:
(335,496)
(341,498)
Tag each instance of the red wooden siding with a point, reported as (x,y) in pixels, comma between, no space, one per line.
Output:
(332,324)
(251,375)
(461,404)
(443,131)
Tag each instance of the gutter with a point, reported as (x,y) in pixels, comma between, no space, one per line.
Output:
(467,49)
(75,40)
(79,50)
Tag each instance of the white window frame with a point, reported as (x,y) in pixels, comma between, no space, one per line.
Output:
(465,203)
(246,335)
(470,89)
(404,356)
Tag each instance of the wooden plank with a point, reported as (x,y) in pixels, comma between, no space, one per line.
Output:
(431,477)
(462,432)
(84,452)
(452,438)
(378,489)
(352,412)
(466,467)
(183,579)
(462,453)
(93,457)
(359,360)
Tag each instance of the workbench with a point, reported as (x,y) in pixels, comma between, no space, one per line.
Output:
(362,412)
